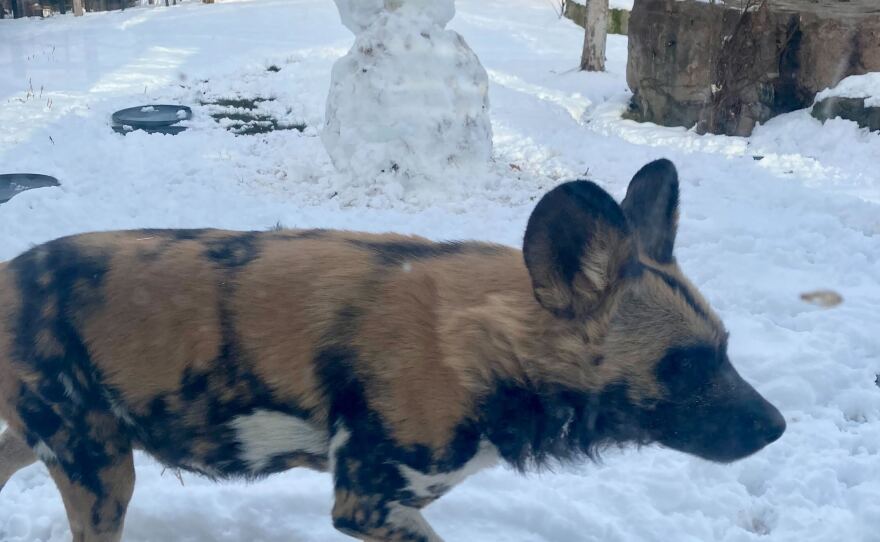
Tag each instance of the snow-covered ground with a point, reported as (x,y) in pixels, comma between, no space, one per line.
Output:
(755,233)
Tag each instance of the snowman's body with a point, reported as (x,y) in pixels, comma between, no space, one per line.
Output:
(410,97)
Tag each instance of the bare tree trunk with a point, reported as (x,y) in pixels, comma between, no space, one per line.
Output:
(596,24)
(17,9)
(78,8)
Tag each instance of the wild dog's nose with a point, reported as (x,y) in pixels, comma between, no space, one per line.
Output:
(772,427)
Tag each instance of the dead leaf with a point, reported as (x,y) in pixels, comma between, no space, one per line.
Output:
(823,298)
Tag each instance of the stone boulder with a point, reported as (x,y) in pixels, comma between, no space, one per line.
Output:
(853,109)
(724,69)
(856,98)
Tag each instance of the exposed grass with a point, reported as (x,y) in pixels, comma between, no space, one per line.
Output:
(239,103)
(242,118)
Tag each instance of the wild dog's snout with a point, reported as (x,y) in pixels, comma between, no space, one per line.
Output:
(726,419)
(753,424)
(772,425)
(756,422)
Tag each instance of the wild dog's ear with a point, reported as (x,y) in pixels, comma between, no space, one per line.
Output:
(651,208)
(577,244)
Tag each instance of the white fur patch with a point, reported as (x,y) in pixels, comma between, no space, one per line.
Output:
(69,390)
(412,521)
(118,410)
(340,438)
(45,454)
(266,434)
(434,485)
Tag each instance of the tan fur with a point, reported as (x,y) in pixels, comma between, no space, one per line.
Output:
(422,337)
(15,455)
(80,504)
(158,317)
(9,380)
(300,285)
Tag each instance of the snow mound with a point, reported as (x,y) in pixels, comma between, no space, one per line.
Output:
(358,15)
(856,86)
(410,97)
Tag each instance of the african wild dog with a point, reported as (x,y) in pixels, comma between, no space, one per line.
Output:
(398,364)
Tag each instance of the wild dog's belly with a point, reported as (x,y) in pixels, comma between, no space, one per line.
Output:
(252,444)
(223,421)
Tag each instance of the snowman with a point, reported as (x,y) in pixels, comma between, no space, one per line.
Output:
(410,98)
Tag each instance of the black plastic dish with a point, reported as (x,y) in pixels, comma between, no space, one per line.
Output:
(152,118)
(15,183)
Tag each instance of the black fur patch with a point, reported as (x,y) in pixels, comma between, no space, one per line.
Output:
(533,428)
(651,206)
(680,288)
(709,410)
(367,465)
(688,371)
(175,234)
(68,278)
(168,238)
(37,416)
(77,453)
(398,252)
(561,229)
(236,250)
(111,523)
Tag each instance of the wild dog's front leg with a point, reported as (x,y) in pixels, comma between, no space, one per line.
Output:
(374,518)
(377,519)
(369,495)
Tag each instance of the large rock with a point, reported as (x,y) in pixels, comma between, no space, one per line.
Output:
(856,98)
(723,70)
(853,109)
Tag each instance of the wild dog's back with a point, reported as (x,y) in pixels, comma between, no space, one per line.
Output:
(214,350)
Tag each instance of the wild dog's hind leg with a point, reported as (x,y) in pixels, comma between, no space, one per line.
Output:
(15,455)
(97,513)
(89,455)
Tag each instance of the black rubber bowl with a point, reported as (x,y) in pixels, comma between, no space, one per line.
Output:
(14,183)
(152,118)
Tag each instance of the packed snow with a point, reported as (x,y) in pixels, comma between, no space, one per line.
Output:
(794,208)
(856,86)
(409,101)
(359,15)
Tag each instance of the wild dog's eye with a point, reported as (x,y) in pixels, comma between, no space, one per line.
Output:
(683,371)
